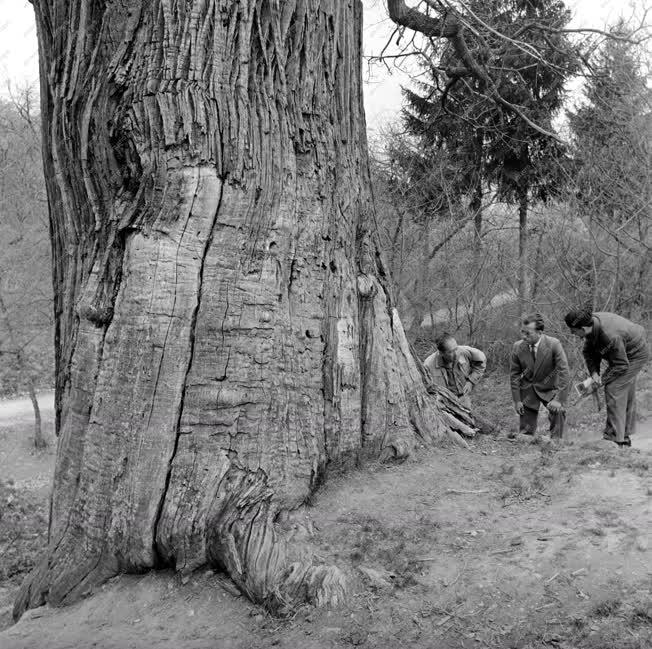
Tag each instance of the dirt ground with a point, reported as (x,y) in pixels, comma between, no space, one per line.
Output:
(510,544)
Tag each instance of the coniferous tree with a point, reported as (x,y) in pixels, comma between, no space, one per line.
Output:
(484,142)
(611,148)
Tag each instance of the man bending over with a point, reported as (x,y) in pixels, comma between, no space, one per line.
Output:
(457,367)
(623,345)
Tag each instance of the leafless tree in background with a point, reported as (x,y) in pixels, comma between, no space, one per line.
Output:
(25,284)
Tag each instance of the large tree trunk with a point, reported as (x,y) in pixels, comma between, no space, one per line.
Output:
(224,328)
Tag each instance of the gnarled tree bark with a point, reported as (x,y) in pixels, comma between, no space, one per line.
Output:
(224,325)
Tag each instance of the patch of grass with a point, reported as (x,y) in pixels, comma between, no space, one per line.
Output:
(639,466)
(524,488)
(602,458)
(606,607)
(612,623)
(528,479)
(577,623)
(641,616)
(608,639)
(612,633)
(394,548)
(608,517)
(506,469)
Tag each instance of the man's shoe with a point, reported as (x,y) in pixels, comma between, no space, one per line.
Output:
(626,442)
(610,437)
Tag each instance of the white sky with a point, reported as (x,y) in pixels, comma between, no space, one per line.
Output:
(19,61)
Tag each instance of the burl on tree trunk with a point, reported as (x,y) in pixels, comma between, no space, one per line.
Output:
(224,327)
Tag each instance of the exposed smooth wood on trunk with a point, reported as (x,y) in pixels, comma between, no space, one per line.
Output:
(224,327)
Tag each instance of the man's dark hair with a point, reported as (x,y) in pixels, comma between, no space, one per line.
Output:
(441,341)
(579,318)
(535,318)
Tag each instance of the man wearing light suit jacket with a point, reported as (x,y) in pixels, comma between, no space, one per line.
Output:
(539,375)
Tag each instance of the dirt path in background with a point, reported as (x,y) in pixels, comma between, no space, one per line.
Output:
(13,411)
(509,545)
(20,462)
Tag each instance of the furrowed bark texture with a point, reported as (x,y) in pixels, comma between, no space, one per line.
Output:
(224,327)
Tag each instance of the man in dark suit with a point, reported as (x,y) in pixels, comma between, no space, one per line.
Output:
(623,345)
(539,375)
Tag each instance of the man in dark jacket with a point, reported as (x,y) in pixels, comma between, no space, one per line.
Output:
(623,345)
(539,375)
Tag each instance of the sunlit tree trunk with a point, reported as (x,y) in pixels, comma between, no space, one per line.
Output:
(224,327)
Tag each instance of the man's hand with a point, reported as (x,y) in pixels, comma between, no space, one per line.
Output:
(596,378)
(554,405)
(518,406)
(467,388)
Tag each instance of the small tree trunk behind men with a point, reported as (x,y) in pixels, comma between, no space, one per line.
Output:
(523,275)
(224,328)
(476,192)
(39,439)
(25,378)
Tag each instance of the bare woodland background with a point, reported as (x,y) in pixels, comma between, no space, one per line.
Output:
(449,229)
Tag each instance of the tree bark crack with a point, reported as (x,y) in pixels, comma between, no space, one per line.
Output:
(193,324)
(228,354)
(174,303)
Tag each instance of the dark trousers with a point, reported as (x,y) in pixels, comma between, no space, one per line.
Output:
(530,416)
(620,399)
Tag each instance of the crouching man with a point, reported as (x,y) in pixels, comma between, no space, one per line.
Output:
(456,367)
(623,345)
(539,374)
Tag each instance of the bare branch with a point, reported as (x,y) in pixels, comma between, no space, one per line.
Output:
(414,19)
(450,27)
(449,236)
